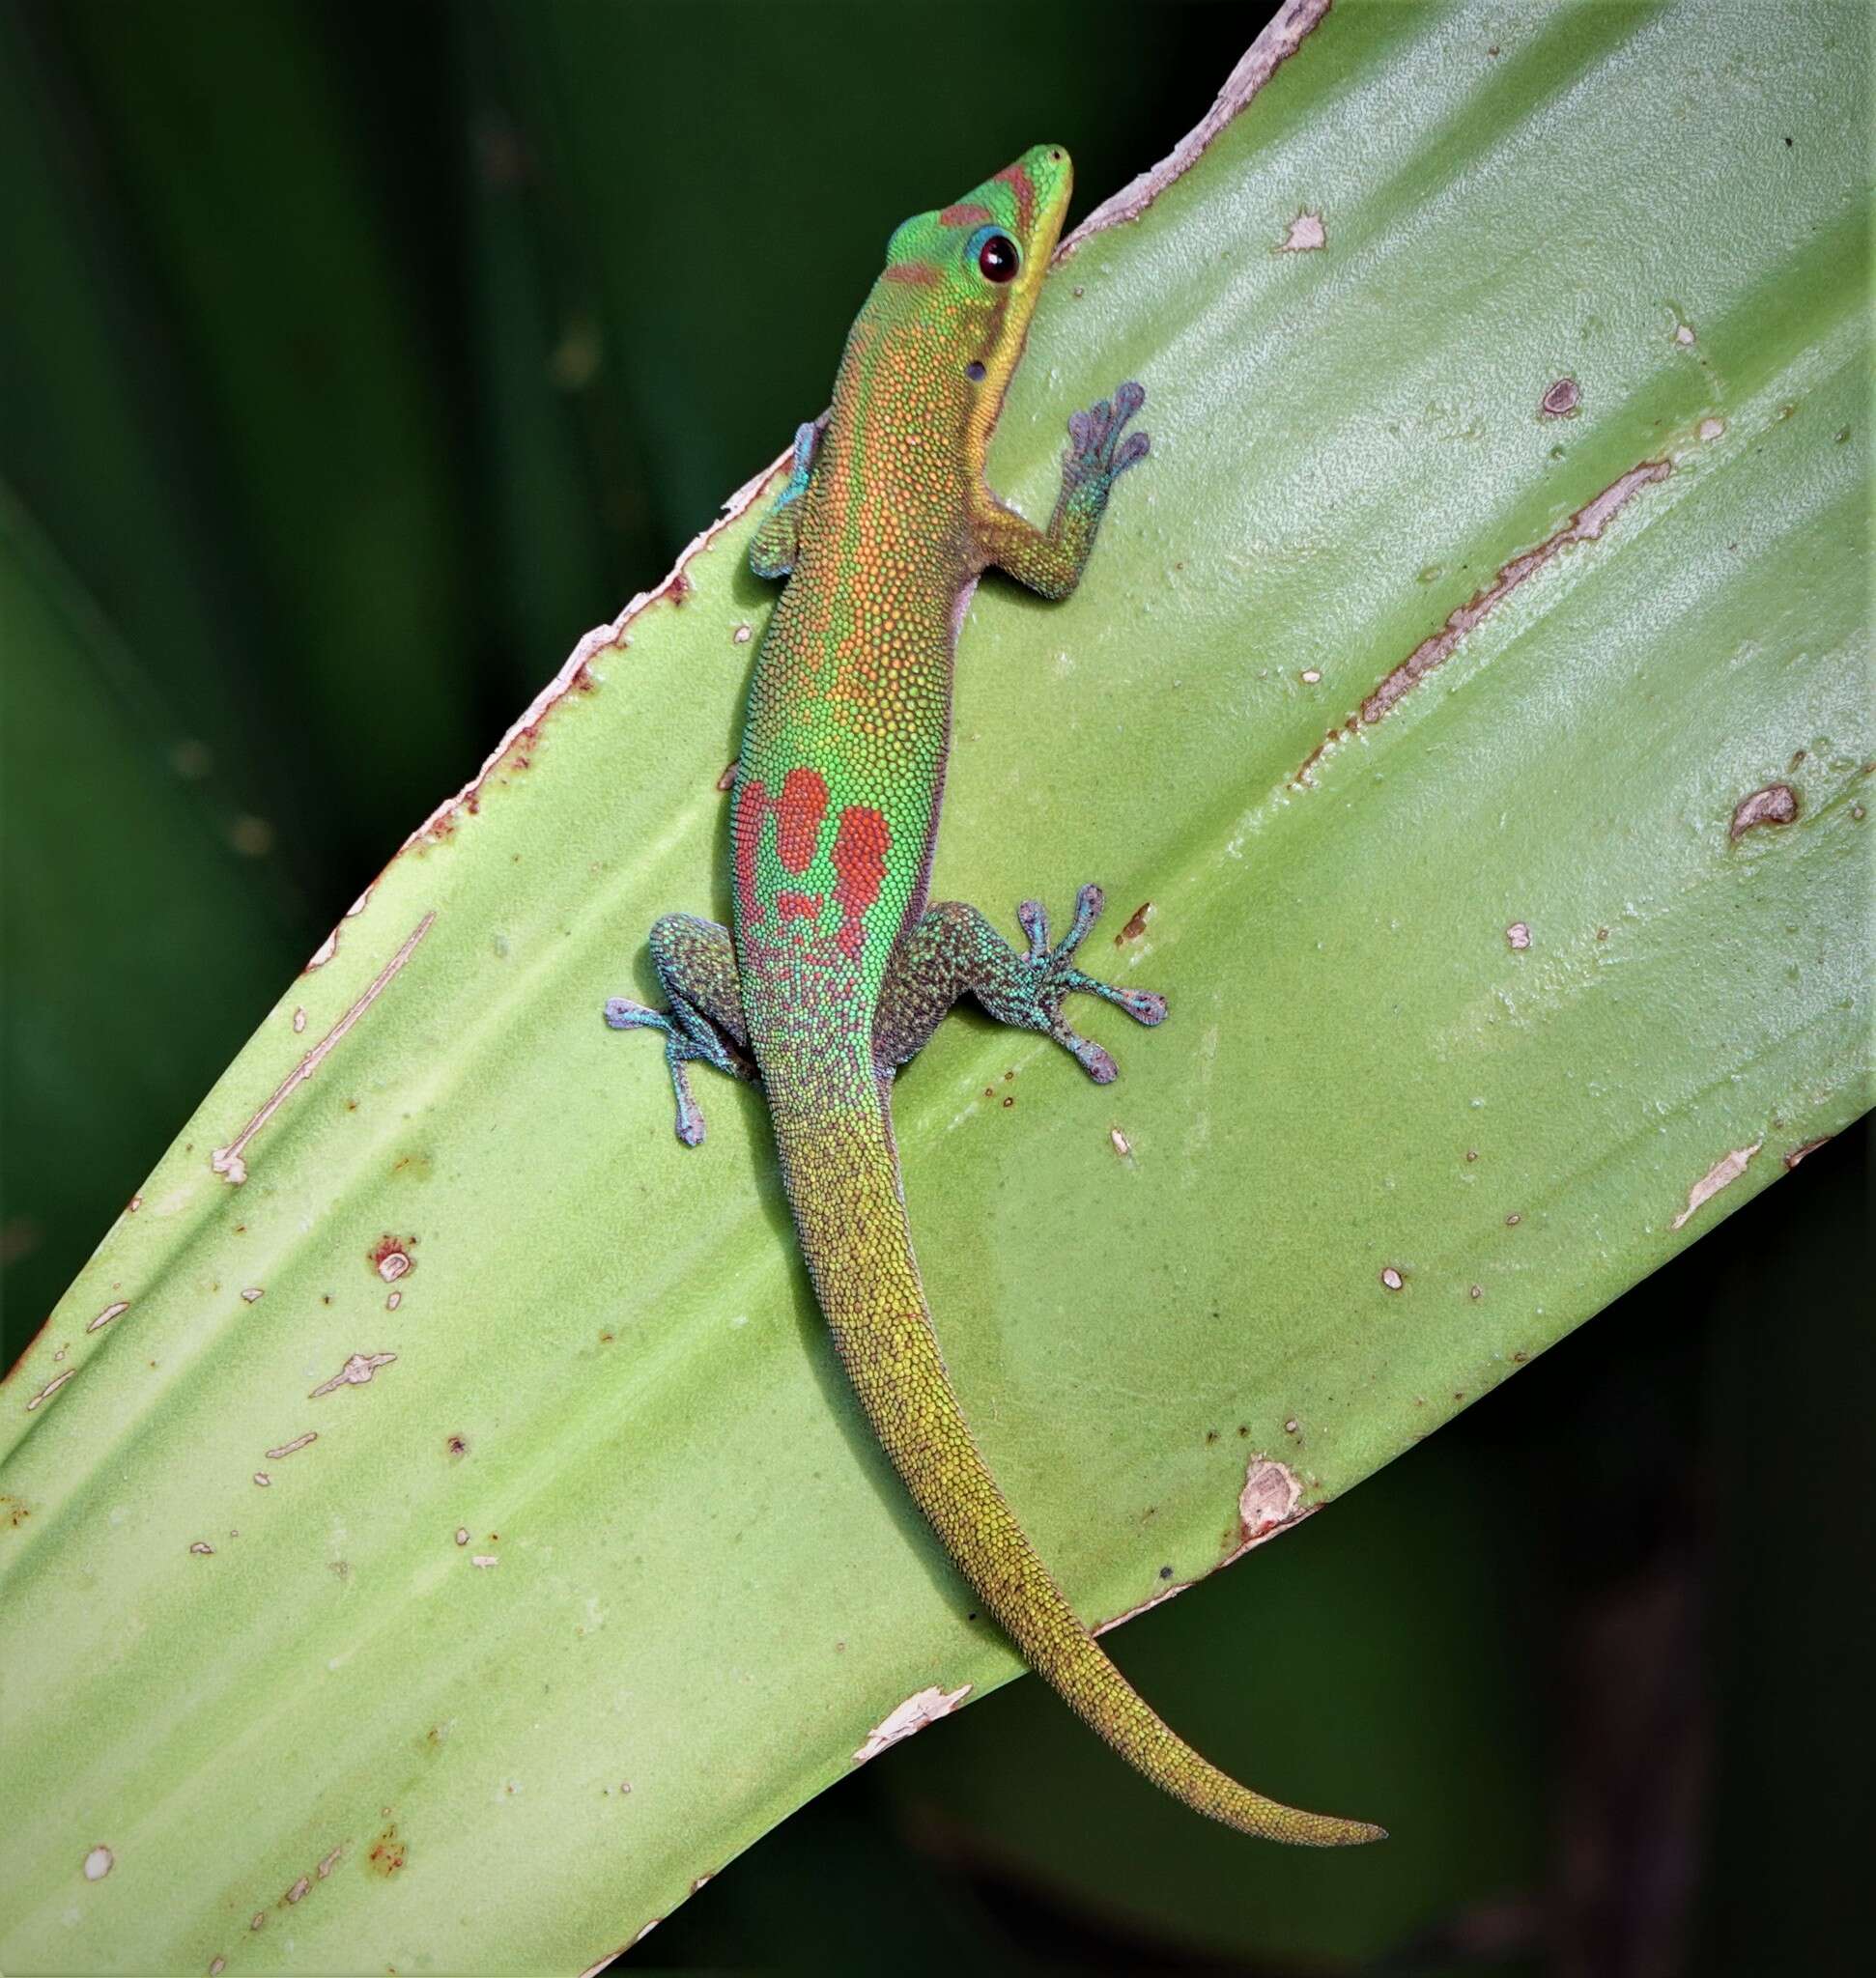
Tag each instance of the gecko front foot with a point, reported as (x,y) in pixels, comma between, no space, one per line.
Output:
(1049,981)
(1098,455)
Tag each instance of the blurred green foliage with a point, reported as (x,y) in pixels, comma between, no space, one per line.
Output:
(352,362)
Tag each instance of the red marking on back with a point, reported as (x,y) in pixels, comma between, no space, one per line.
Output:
(859,855)
(797,906)
(966,214)
(746,834)
(798,814)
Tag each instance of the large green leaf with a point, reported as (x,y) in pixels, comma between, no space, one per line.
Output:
(437,1535)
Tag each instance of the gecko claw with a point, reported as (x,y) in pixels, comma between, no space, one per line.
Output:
(623,1014)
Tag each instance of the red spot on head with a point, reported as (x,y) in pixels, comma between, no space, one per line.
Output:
(1019,181)
(914,274)
(966,214)
(799,811)
(860,847)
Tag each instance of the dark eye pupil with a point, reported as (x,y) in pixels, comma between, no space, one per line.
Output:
(996,259)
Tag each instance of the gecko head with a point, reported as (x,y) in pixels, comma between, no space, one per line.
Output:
(970,272)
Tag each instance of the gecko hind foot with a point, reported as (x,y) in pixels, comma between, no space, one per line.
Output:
(686,1041)
(1051,980)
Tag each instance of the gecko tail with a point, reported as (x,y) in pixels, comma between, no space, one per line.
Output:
(842,1170)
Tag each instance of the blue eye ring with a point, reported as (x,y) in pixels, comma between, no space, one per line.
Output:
(994,255)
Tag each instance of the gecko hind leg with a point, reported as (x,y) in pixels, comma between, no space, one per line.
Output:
(954,951)
(696,965)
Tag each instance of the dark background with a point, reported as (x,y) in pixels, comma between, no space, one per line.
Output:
(353,360)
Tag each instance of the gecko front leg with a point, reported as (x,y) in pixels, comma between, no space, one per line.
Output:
(1050,562)
(696,964)
(954,951)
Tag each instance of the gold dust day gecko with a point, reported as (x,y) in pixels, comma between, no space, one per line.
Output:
(840,966)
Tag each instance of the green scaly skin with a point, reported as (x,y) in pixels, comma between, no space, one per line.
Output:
(841,969)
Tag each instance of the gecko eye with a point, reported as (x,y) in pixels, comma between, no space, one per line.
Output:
(995,254)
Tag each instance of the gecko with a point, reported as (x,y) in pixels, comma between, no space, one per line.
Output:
(840,967)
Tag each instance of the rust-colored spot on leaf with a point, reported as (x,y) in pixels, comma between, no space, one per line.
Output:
(385,1855)
(1136,925)
(1775,804)
(1792,1158)
(390,1257)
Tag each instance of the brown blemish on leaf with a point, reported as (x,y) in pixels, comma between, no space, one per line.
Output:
(98,1863)
(50,1388)
(1119,1143)
(1775,804)
(1561,400)
(1270,1502)
(923,1708)
(1518,935)
(1304,235)
(1392,1279)
(1723,1172)
(230,1161)
(298,1442)
(1586,525)
(1792,1158)
(457,1444)
(1136,925)
(390,1257)
(202,1549)
(109,1312)
(296,1893)
(385,1855)
(356,1373)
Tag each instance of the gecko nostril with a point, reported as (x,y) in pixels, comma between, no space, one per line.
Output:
(974,370)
